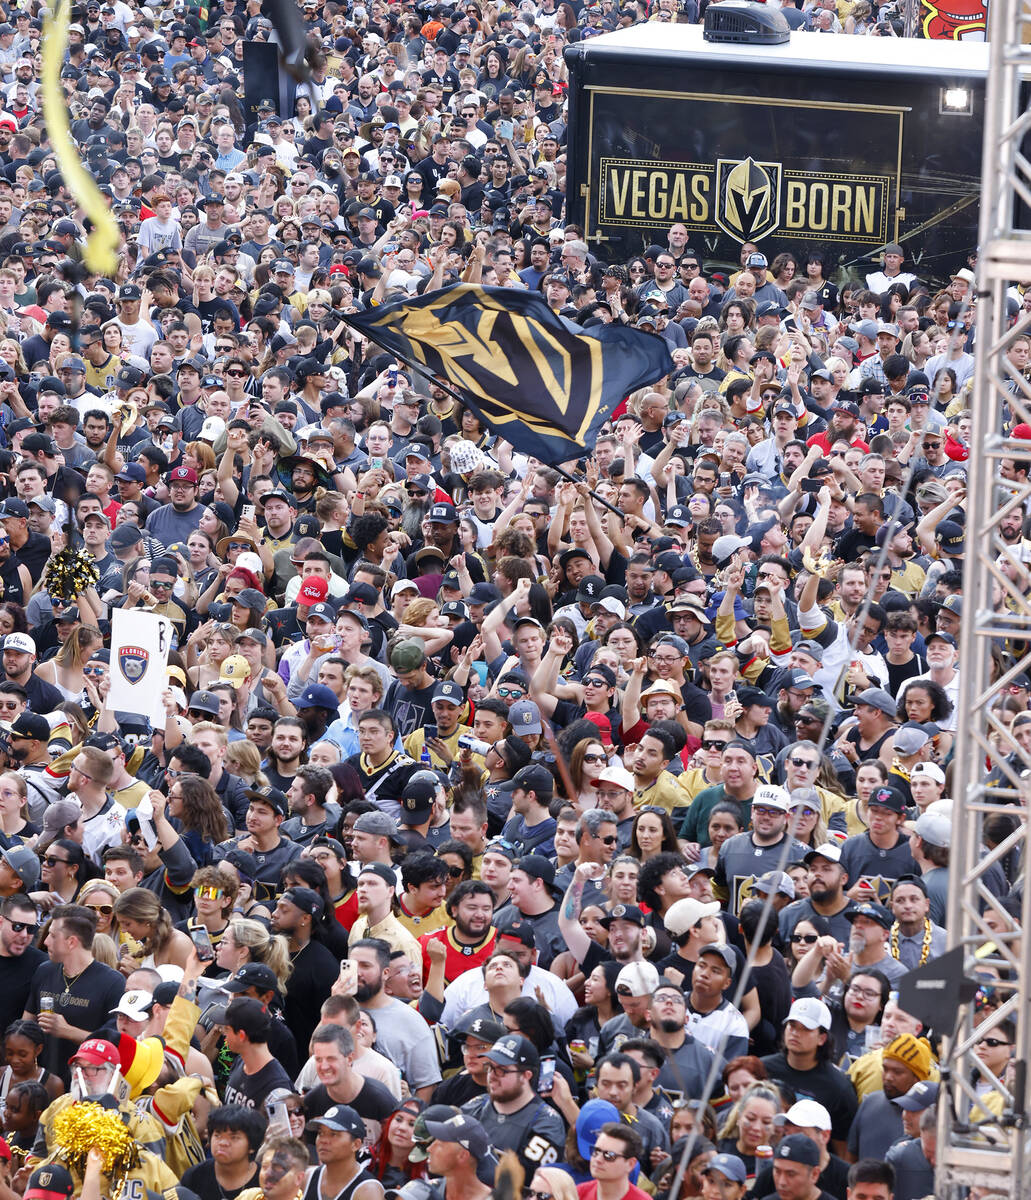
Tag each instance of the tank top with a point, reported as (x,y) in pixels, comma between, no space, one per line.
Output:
(313,1189)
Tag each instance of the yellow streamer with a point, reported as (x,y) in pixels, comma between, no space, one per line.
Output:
(101,253)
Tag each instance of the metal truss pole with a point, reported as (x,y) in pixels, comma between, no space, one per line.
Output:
(986,1146)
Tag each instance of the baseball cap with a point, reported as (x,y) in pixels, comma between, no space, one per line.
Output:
(809,1114)
(873,912)
(514,1050)
(24,863)
(135,1005)
(271,796)
(342,1119)
(827,850)
(919,1097)
(685,914)
(877,698)
(21,642)
(464,1130)
(637,979)
(303,898)
(534,778)
(255,975)
(623,912)
(810,1012)
(729,1164)
(931,827)
(378,824)
(798,1148)
(50,1182)
(97,1052)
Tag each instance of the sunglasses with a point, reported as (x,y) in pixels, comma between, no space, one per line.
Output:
(50,861)
(207,892)
(23,927)
(105,910)
(455,872)
(714,745)
(611,840)
(801,762)
(608,1155)
(596,758)
(510,693)
(595,683)
(995,1043)
(808,938)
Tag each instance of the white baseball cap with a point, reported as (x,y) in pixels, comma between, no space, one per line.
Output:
(20,641)
(810,1012)
(807,1114)
(638,979)
(686,913)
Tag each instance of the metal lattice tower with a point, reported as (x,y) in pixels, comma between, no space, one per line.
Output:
(974,1149)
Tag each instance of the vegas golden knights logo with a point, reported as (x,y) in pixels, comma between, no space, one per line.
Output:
(748,198)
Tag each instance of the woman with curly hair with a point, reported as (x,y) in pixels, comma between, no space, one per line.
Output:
(152,939)
(195,807)
(214,895)
(924,700)
(390,1162)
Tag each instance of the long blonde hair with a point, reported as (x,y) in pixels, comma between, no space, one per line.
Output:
(74,651)
(271,949)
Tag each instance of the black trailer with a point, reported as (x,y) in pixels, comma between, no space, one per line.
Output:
(847,143)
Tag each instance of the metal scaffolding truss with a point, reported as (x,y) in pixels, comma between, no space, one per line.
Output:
(982,1140)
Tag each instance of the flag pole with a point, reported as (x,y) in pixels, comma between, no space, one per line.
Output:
(459,399)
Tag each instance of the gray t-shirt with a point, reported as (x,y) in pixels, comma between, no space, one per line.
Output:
(405,1038)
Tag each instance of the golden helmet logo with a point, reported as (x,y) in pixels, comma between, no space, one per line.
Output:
(748,198)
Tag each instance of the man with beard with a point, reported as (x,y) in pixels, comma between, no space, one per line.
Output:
(687,1059)
(469,941)
(19,659)
(795,691)
(18,957)
(175,521)
(827,881)
(314,968)
(402,1035)
(443,523)
(513,1115)
(878,1123)
(316,707)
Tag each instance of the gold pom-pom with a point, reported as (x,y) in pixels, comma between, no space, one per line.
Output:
(80,1127)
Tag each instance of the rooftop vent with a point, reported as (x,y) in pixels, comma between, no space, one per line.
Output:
(747,22)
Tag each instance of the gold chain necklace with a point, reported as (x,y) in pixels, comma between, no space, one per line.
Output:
(925,945)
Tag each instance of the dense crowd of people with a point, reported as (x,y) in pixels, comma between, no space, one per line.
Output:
(493,836)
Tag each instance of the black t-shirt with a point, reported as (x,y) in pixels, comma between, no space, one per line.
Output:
(833,1179)
(410,709)
(201,1179)
(16,982)
(374,1102)
(315,971)
(34,554)
(825,1084)
(252,1090)
(84,1000)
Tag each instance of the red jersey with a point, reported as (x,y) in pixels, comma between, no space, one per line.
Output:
(346,909)
(460,957)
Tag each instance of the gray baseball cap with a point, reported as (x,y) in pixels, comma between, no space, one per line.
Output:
(24,863)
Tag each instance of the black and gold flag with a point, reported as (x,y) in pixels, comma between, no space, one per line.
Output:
(534,378)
